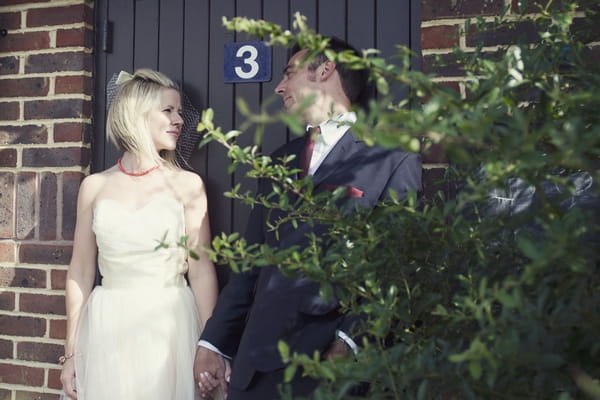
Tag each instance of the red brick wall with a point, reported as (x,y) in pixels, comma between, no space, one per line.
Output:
(45,118)
(443,28)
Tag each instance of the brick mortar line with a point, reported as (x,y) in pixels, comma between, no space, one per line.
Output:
(466,49)
(22,63)
(44,389)
(28,168)
(85,50)
(47,242)
(52,86)
(511,16)
(51,142)
(35,389)
(33,339)
(37,206)
(457,79)
(28,122)
(56,170)
(58,145)
(442,50)
(33,315)
(55,3)
(52,36)
(45,169)
(435,165)
(59,215)
(37,267)
(48,97)
(47,28)
(47,75)
(462,20)
(20,166)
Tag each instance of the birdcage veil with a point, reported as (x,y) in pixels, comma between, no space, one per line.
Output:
(188,139)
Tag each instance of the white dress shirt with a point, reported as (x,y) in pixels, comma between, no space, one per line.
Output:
(332,131)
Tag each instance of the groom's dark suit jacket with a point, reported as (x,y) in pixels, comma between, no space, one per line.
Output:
(256,309)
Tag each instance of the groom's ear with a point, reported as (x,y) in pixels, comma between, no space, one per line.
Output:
(326,70)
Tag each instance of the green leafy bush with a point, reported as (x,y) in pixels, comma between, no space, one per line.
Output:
(468,295)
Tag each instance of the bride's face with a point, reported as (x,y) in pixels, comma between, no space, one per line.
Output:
(165,122)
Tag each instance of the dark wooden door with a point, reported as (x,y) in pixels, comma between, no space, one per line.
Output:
(185,40)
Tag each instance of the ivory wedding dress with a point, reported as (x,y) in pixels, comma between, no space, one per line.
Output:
(138,333)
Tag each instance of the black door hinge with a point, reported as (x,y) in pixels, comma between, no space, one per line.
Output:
(107,36)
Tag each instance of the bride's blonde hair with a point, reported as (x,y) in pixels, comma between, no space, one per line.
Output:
(127,122)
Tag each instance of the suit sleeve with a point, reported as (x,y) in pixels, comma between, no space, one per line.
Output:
(406,176)
(224,329)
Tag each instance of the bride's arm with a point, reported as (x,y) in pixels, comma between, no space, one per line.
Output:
(201,274)
(80,276)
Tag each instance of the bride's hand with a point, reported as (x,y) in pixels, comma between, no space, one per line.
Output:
(67,377)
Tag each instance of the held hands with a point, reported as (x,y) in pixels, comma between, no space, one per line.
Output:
(211,370)
(337,349)
(67,378)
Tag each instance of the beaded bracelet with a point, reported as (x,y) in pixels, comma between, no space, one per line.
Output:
(63,359)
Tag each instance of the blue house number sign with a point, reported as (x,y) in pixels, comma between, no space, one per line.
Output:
(247,62)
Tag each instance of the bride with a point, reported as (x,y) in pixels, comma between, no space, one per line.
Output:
(135,335)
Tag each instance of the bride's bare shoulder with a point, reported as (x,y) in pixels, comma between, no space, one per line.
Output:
(93,183)
(189,180)
(189,188)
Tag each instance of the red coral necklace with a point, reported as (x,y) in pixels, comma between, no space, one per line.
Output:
(123,170)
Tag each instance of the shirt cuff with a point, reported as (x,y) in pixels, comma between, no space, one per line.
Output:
(208,345)
(348,340)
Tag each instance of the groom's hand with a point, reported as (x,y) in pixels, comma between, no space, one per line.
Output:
(210,370)
(337,349)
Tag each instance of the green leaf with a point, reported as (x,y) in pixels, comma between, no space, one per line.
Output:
(475,369)
(284,350)
(289,372)
(382,85)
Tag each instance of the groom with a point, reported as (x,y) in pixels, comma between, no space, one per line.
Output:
(258,308)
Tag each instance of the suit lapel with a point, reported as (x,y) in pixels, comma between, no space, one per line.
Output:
(343,149)
(296,148)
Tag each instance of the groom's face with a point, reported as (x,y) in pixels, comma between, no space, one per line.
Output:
(298,82)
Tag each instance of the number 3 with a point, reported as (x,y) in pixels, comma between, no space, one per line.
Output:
(250,60)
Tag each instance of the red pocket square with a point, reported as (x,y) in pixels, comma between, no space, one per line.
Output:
(351,191)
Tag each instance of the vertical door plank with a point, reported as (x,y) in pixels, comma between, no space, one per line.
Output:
(101,78)
(250,93)
(146,24)
(361,28)
(332,18)
(195,66)
(308,8)
(170,42)
(275,135)
(361,24)
(393,27)
(121,14)
(415,32)
(221,99)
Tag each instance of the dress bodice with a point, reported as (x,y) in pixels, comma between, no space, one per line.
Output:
(129,243)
